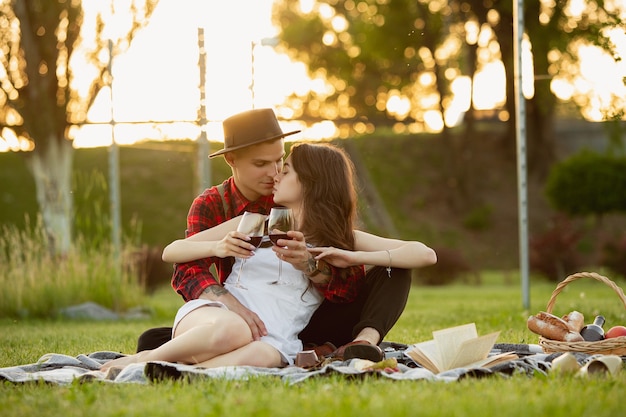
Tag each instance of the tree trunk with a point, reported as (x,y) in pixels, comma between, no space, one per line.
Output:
(51,166)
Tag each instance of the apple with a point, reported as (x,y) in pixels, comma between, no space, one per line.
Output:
(615,331)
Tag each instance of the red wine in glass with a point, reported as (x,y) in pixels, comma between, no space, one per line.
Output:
(252,225)
(255,240)
(275,236)
(280,221)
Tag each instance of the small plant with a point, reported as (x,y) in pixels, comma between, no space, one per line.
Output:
(588,183)
(554,253)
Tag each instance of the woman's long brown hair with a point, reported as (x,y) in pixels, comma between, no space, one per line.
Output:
(329,212)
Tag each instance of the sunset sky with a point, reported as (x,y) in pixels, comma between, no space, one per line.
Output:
(158,78)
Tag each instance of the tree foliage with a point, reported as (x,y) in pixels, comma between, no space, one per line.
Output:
(47,53)
(375,53)
(588,183)
(54,60)
(369,53)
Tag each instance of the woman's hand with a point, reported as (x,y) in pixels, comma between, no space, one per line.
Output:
(293,250)
(339,258)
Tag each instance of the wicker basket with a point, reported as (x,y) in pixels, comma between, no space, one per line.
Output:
(613,346)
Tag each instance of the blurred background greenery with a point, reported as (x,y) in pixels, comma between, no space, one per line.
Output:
(401,85)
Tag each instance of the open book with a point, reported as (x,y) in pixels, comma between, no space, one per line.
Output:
(457,347)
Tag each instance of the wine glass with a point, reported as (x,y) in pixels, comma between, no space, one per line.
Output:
(251,224)
(280,221)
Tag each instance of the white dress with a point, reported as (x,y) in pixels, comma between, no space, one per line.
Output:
(285,309)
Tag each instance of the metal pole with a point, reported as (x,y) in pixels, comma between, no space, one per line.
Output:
(520,126)
(252,45)
(114,173)
(204,163)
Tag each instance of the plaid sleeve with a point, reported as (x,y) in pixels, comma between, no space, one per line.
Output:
(344,284)
(191,278)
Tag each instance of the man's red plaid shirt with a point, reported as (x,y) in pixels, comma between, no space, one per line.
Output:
(190,279)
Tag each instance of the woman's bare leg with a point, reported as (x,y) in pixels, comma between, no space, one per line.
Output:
(201,335)
(253,354)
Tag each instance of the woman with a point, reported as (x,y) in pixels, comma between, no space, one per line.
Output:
(317,184)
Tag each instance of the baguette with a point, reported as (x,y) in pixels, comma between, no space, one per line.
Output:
(552,327)
(575,321)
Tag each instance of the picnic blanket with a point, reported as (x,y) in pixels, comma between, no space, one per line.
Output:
(55,368)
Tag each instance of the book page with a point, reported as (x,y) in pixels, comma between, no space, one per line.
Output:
(493,360)
(426,354)
(450,340)
(474,350)
(457,347)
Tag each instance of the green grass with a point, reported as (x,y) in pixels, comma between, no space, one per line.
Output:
(493,306)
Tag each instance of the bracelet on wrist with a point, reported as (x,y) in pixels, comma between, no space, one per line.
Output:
(316,267)
(312,267)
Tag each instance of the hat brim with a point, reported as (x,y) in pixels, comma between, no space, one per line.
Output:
(234,148)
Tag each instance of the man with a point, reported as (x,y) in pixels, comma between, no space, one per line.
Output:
(359,309)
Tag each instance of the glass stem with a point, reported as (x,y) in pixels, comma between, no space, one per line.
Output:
(243,262)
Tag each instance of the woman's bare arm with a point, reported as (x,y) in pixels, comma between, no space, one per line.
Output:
(375,250)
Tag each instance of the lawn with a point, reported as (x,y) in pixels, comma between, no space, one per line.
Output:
(494,305)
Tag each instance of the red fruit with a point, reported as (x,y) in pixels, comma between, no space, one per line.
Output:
(615,331)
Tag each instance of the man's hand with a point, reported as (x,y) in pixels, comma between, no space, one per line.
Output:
(234,244)
(224,240)
(219,293)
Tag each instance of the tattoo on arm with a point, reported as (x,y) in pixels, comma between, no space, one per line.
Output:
(216,290)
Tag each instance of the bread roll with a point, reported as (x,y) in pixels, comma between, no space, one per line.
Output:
(575,321)
(552,327)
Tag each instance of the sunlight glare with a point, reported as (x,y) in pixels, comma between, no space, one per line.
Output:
(398,105)
(461,87)
(9,141)
(528,72)
(597,85)
(471,32)
(576,7)
(157,79)
(339,24)
(562,89)
(306,6)
(489,86)
(433,120)
(461,100)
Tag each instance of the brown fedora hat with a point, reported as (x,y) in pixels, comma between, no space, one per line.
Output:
(250,128)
